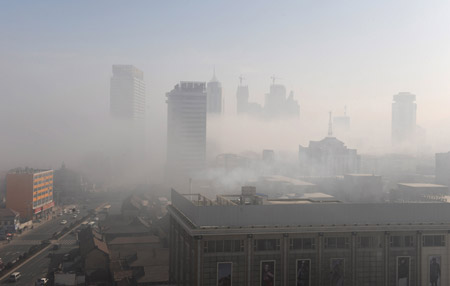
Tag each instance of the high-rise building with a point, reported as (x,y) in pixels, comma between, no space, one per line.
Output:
(30,192)
(443,168)
(127,99)
(128,134)
(214,96)
(404,118)
(341,124)
(278,105)
(186,129)
(242,96)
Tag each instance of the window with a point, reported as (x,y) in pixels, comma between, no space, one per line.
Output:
(267,244)
(213,246)
(368,242)
(433,240)
(402,241)
(303,243)
(336,242)
(409,241)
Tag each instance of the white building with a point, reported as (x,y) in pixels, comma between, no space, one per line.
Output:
(404,118)
(186,129)
(127,97)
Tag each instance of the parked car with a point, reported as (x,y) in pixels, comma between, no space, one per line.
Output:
(63,221)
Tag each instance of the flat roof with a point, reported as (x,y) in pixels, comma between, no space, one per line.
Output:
(421,185)
(315,214)
(362,175)
(284,179)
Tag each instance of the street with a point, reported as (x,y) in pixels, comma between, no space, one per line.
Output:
(37,267)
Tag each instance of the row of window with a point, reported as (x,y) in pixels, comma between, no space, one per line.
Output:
(337,242)
(213,246)
(42,201)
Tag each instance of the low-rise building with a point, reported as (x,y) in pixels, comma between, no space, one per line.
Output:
(419,192)
(9,220)
(217,242)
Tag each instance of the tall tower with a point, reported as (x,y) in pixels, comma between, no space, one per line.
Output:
(242,96)
(214,96)
(186,129)
(128,133)
(127,95)
(403,118)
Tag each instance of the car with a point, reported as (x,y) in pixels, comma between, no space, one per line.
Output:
(42,281)
(56,246)
(63,221)
(60,214)
(15,276)
(74,216)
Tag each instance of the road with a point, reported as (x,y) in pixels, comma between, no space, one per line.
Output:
(22,243)
(37,267)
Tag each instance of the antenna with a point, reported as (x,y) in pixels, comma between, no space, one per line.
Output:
(330,126)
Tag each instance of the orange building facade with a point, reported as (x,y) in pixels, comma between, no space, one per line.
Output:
(30,192)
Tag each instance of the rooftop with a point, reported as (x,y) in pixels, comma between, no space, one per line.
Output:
(135,240)
(27,170)
(283,179)
(421,185)
(307,216)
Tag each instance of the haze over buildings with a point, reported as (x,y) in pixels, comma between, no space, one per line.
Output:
(186,130)
(404,125)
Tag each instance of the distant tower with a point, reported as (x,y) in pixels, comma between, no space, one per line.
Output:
(186,129)
(128,134)
(277,104)
(214,95)
(404,118)
(127,94)
(330,126)
(341,124)
(242,96)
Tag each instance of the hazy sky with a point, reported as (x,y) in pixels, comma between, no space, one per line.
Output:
(56,57)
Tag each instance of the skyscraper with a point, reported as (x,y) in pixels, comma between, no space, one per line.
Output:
(128,128)
(127,97)
(214,96)
(186,129)
(404,118)
(278,105)
(242,96)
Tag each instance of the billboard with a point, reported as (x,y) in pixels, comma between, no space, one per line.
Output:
(303,270)
(403,269)
(224,273)
(337,268)
(267,272)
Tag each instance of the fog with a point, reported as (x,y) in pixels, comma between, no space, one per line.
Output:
(56,67)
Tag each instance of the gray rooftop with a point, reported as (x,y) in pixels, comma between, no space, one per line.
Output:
(247,216)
